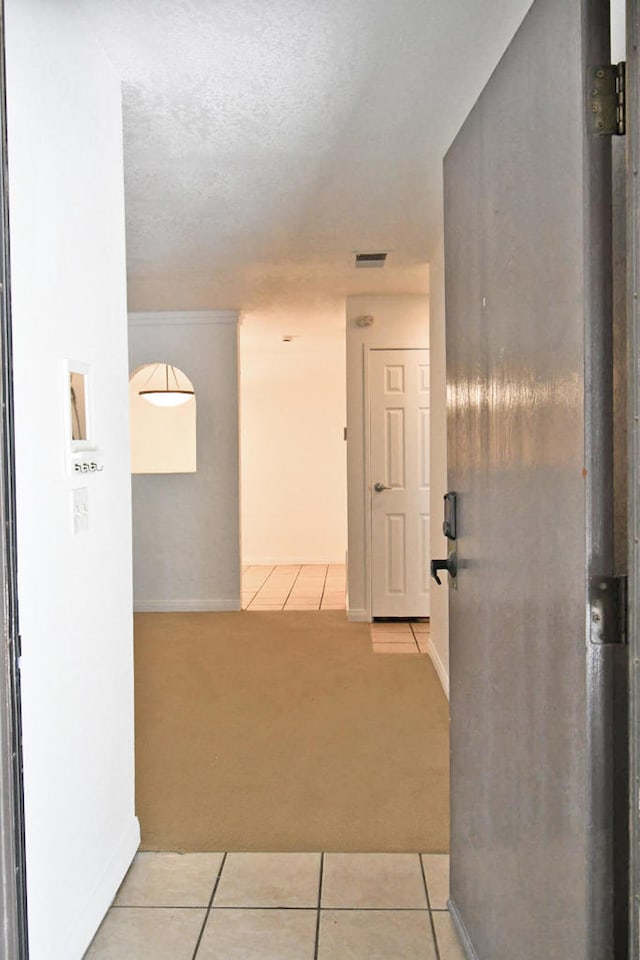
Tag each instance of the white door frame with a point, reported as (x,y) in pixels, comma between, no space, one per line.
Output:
(633,433)
(368,480)
(366,490)
(13,905)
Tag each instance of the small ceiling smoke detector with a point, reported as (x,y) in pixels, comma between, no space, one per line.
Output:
(287,338)
(370,260)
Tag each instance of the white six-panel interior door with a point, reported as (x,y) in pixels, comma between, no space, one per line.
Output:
(399,482)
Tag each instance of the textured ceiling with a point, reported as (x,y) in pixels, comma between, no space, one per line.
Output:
(266,141)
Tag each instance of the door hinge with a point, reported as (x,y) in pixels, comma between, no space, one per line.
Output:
(608,610)
(607,99)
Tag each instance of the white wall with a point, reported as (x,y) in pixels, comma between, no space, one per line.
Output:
(618,25)
(69,301)
(399,321)
(186,526)
(293,454)
(439,634)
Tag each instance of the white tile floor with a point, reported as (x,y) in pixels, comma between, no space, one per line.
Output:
(400,636)
(280,906)
(294,587)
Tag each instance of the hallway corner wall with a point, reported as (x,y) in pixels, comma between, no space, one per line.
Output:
(186,526)
(68,280)
(400,321)
(293,454)
(439,635)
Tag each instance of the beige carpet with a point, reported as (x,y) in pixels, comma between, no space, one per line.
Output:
(285,732)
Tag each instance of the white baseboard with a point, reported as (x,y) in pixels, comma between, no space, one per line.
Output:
(291,561)
(443,676)
(185,606)
(90,915)
(358,616)
(461,930)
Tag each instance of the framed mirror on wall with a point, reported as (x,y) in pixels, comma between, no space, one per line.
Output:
(79,426)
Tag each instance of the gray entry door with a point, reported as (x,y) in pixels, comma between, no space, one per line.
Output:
(533,698)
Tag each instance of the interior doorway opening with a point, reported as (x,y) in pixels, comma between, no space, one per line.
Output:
(162,404)
(293,471)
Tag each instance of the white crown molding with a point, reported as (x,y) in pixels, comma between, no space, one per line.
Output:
(187,318)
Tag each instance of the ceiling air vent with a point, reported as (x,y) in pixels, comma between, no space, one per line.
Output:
(370,259)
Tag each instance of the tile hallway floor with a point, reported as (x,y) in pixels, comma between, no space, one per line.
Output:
(294,587)
(280,906)
(400,636)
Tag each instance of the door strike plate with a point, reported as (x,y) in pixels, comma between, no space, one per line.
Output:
(608,610)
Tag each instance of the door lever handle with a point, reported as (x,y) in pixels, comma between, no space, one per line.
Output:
(379,486)
(450,565)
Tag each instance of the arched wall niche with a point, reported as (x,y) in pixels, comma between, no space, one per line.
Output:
(163,438)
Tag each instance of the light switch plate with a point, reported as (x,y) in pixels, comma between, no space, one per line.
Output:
(80,509)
